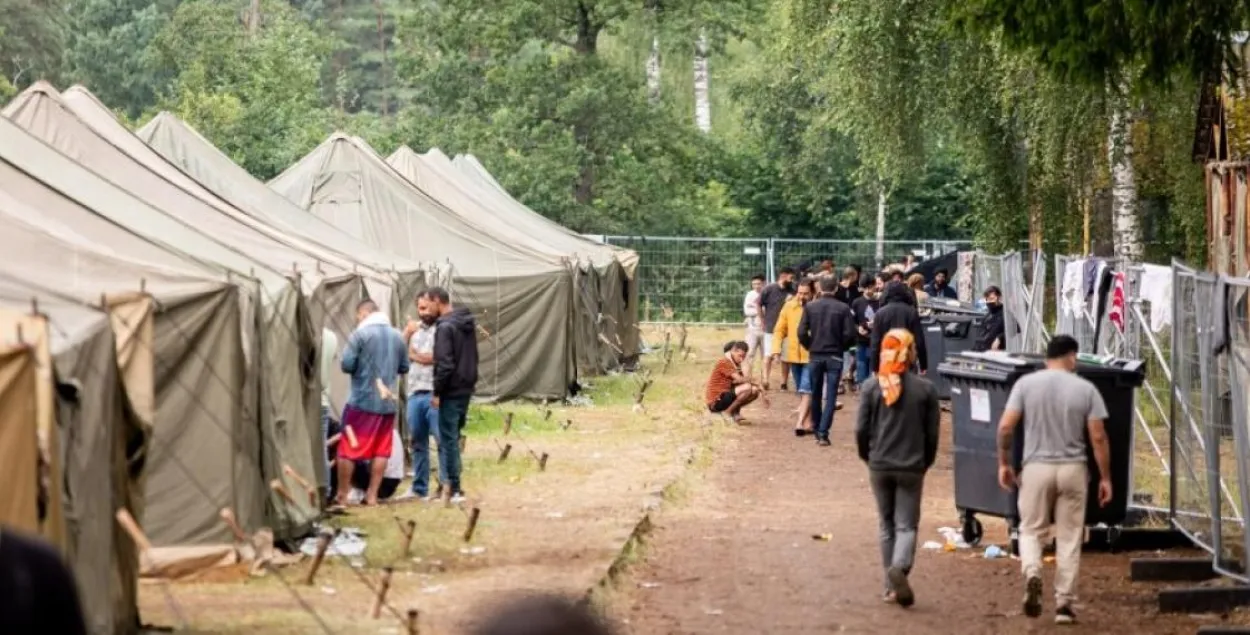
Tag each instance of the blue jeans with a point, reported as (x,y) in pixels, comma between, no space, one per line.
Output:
(423,422)
(802,379)
(825,373)
(863,356)
(452,413)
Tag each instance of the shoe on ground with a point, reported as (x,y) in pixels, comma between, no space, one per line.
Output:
(823,442)
(1033,597)
(800,432)
(408,496)
(837,405)
(458,498)
(901,587)
(889,598)
(1064,615)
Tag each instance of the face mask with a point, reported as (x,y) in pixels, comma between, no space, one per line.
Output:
(429,319)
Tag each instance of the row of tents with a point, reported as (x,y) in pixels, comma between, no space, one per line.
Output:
(161,313)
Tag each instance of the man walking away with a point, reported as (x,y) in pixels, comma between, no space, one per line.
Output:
(865,309)
(422,415)
(455,379)
(1058,408)
(772,298)
(793,352)
(375,357)
(897,436)
(848,291)
(898,311)
(940,287)
(754,323)
(827,330)
(728,390)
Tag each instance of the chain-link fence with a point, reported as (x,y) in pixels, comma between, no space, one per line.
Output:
(704,280)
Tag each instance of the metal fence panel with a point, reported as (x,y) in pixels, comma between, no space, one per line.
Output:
(790,252)
(698,280)
(1234,455)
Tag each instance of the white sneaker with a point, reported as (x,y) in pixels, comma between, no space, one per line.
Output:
(356,496)
(458,498)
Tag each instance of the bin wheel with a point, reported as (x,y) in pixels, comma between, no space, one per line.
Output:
(971,530)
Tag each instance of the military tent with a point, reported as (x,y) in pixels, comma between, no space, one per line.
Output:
(522,299)
(250,378)
(63,398)
(618,283)
(446,185)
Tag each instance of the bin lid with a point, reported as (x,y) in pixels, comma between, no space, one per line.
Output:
(949,306)
(1008,367)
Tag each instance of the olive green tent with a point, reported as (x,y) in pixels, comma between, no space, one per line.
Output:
(521,298)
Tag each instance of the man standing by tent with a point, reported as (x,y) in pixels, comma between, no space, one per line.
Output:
(422,414)
(455,379)
(375,357)
(772,298)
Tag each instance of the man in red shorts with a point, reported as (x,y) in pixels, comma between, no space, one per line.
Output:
(375,357)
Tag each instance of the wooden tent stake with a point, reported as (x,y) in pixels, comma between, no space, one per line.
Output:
(228,517)
(474,514)
(132,528)
(407,528)
(507,423)
(413,615)
(503,454)
(382,589)
(303,482)
(323,543)
(281,490)
(542,463)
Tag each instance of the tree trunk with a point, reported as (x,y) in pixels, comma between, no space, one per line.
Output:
(881,198)
(587,43)
(385,71)
(1126,231)
(654,63)
(654,71)
(702,89)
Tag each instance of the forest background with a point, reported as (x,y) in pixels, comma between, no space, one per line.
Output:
(1071,125)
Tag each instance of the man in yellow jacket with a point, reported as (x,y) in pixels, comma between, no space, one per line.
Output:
(787,330)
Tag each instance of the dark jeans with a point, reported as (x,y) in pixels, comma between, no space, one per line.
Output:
(825,373)
(863,355)
(898,507)
(452,414)
(422,422)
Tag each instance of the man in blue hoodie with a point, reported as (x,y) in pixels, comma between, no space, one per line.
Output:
(455,379)
(375,357)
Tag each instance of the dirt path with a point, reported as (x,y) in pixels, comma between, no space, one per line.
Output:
(739,556)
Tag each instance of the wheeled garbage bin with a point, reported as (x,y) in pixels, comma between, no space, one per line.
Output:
(951,328)
(980,384)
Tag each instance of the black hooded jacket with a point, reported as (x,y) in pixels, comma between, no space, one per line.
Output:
(455,355)
(993,327)
(898,311)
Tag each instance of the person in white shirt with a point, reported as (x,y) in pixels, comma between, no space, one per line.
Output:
(754,323)
(422,411)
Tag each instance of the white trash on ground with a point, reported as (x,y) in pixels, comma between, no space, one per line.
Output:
(347,543)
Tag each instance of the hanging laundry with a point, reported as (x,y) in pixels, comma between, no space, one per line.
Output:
(1116,313)
(1156,288)
(1093,273)
(1072,290)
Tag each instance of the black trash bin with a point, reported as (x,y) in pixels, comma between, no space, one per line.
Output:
(980,384)
(951,328)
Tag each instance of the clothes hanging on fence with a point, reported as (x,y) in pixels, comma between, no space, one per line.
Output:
(1116,313)
(1093,273)
(1156,288)
(1073,289)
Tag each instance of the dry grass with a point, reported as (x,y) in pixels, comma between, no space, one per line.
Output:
(558,529)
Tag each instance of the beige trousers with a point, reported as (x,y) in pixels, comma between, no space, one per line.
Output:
(1061,488)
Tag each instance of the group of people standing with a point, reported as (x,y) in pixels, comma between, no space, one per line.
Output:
(437,353)
(825,332)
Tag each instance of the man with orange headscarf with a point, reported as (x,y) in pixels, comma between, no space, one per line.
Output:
(897,435)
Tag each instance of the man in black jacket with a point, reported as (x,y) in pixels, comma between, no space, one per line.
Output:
(827,330)
(993,335)
(455,378)
(898,311)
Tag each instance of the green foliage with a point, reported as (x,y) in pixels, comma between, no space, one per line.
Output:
(256,94)
(1092,40)
(32,36)
(108,50)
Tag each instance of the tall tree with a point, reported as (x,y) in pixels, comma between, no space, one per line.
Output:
(32,36)
(254,95)
(107,50)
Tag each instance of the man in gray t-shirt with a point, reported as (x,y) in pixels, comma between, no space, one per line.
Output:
(1058,409)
